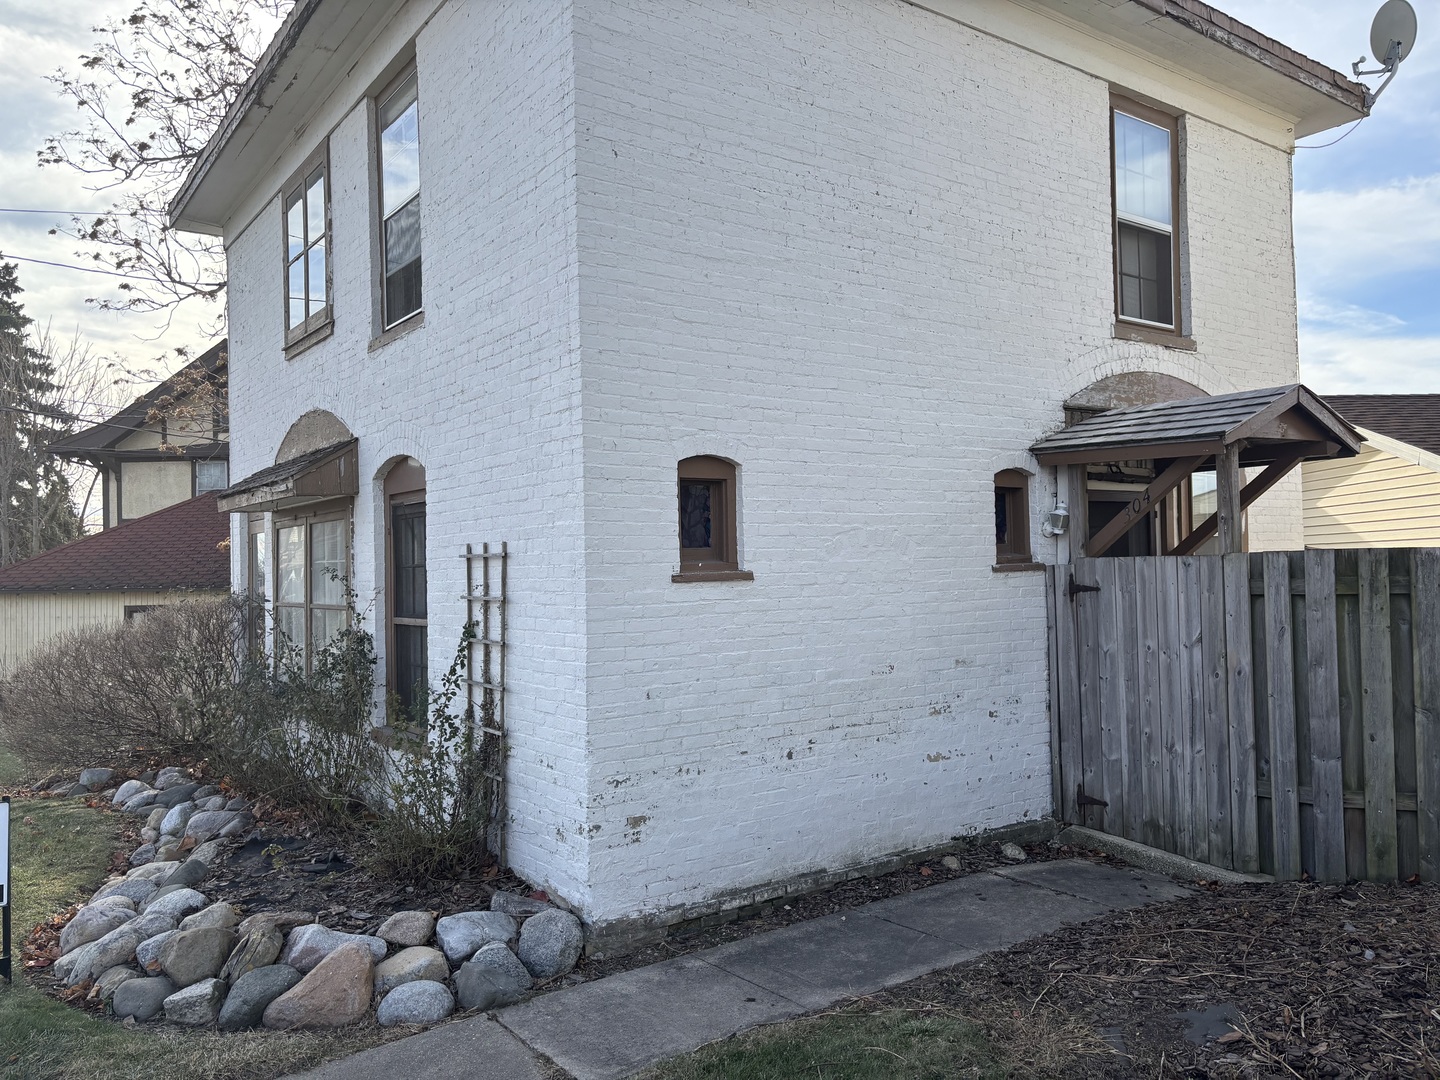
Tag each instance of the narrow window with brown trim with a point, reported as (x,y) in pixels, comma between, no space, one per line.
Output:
(709,548)
(1145,164)
(407,629)
(1012,517)
(307,263)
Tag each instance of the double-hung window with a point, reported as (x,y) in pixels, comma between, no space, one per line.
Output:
(1146,187)
(307,267)
(311,569)
(398,117)
(408,650)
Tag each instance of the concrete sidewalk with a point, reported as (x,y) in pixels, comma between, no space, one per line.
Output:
(614,1027)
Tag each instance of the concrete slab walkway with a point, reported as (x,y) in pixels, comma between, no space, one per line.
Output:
(614,1027)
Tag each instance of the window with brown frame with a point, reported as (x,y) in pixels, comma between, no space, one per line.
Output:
(258,591)
(1012,517)
(397,118)
(407,667)
(708,541)
(307,263)
(312,567)
(1145,163)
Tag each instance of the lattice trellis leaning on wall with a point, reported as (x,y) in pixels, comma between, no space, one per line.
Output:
(485,680)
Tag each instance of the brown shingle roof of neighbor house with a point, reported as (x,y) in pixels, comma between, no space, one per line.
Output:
(1410,418)
(174,548)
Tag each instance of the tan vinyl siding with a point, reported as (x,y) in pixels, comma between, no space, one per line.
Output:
(27,620)
(1374,500)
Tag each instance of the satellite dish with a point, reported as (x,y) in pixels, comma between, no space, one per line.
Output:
(1394,22)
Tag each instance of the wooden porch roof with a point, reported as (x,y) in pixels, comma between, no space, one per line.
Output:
(1265,425)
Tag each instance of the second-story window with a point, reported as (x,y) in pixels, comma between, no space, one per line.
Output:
(307,269)
(399,125)
(1147,249)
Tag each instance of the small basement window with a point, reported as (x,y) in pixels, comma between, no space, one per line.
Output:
(1012,517)
(706,504)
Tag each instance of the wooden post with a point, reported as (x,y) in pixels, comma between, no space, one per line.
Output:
(1079,511)
(1227,500)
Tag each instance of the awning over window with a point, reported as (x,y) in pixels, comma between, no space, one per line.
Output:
(327,473)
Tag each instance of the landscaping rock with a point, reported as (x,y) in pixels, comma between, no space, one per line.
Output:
(127,789)
(145,853)
(177,817)
(212,803)
(519,906)
(460,935)
(148,776)
(205,791)
(284,921)
(237,804)
(193,955)
(197,1004)
(110,980)
(62,967)
(136,889)
(95,779)
(336,993)
(177,901)
(147,953)
(256,949)
(309,945)
(149,835)
(168,851)
(113,950)
(209,853)
(219,915)
(407,928)
(171,777)
(189,873)
(238,825)
(149,872)
(141,998)
(1013,852)
(252,994)
(420,1002)
(493,978)
(150,924)
(208,823)
(550,943)
(76,790)
(410,965)
(140,802)
(91,923)
(174,796)
(156,818)
(950,862)
(114,900)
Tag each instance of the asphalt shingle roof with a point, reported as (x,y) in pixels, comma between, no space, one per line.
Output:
(1410,418)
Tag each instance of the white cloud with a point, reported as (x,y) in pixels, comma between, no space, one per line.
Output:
(1341,362)
(1342,237)
(1319,314)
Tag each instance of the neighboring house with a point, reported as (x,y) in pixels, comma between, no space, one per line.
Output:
(736,324)
(169,445)
(175,554)
(1389,496)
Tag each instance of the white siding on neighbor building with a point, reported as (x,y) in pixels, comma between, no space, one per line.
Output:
(28,620)
(855,246)
(148,486)
(1389,496)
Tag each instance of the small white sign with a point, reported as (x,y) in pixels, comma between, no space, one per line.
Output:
(4,854)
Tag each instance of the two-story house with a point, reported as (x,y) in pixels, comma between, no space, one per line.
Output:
(735,322)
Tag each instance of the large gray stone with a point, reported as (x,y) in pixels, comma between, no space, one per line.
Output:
(167,850)
(145,853)
(550,943)
(177,902)
(176,818)
(237,804)
(189,873)
(210,852)
(76,791)
(197,1004)
(95,779)
(140,802)
(205,791)
(210,803)
(208,823)
(149,872)
(157,815)
(151,924)
(219,914)
(495,977)
(515,904)
(460,935)
(252,994)
(193,955)
(127,789)
(149,835)
(336,993)
(137,890)
(422,1002)
(141,998)
(173,797)
(113,950)
(171,777)
(114,900)
(91,923)
(147,953)
(284,921)
(241,823)
(415,964)
(110,980)
(308,945)
(407,928)
(256,949)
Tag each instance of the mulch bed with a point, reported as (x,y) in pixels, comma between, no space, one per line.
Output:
(1245,981)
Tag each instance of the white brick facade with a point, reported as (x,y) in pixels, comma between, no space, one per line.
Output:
(856,247)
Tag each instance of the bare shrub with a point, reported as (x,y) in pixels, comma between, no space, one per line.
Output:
(160,683)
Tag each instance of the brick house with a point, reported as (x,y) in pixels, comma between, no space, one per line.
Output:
(736,324)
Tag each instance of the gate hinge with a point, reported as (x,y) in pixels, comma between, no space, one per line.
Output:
(1072,589)
(1081,799)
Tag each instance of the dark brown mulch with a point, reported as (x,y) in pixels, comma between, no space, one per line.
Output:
(1244,981)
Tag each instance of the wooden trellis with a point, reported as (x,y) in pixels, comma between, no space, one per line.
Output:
(485,679)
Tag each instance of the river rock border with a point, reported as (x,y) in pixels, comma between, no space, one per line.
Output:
(154,946)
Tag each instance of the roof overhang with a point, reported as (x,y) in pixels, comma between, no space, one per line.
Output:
(328,473)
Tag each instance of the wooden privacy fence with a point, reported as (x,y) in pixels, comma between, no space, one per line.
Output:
(1275,712)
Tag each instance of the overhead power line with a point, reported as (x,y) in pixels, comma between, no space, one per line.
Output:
(4,255)
(70,213)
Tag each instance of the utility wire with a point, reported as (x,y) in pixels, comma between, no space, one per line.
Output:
(70,213)
(71,266)
(1332,142)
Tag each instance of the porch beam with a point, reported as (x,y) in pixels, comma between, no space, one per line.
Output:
(1272,475)
(1142,504)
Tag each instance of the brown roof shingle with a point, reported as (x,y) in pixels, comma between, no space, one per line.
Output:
(1410,418)
(174,548)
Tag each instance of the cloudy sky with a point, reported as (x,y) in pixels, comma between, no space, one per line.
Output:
(1367,210)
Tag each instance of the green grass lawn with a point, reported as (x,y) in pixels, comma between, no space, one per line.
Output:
(59,852)
(888,1045)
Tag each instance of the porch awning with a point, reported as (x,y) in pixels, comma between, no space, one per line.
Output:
(327,473)
(1266,426)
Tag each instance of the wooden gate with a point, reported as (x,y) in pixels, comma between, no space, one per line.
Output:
(1275,712)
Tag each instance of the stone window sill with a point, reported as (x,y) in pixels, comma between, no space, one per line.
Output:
(399,330)
(309,338)
(1016,567)
(712,575)
(1131,332)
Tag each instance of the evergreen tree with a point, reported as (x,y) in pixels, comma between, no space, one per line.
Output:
(36,512)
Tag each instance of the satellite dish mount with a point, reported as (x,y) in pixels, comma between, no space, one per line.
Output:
(1392,36)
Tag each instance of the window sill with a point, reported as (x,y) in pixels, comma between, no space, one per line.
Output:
(1169,339)
(310,337)
(1016,567)
(712,575)
(399,330)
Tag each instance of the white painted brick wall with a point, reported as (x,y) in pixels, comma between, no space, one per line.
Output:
(855,246)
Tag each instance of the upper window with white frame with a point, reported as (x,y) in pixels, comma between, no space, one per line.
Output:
(398,122)
(1146,165)
(307,266)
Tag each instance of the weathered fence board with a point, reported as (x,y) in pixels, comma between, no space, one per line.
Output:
(1278,712)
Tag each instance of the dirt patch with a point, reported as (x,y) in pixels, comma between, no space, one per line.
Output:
(1244,981)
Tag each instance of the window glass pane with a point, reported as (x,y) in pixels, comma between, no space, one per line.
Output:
(295,227)
(316,257)
(297,292)
(290,564)
(290,628)
(399,149)
(407,535)
(1142,170)
(402,263)
(327,563)
(212,476)
(1002,517)
(696,519)
(1145,275)
(260,564)
(410,664)
(325,624)
(315,205)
